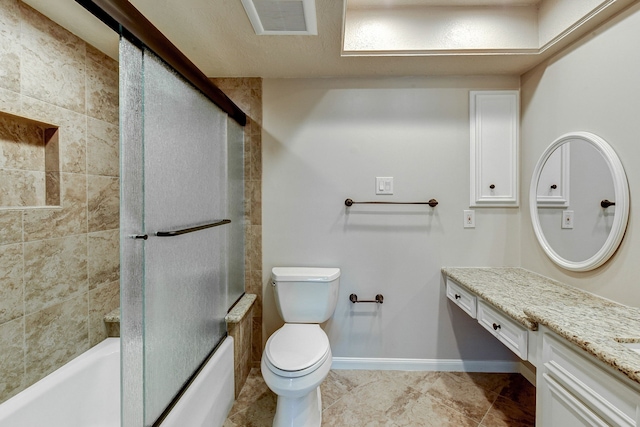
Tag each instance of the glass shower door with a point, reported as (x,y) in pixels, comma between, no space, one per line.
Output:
(174,200)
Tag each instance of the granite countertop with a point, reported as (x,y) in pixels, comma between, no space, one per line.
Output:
(595,324)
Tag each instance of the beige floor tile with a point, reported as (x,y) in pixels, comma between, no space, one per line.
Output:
(402,399)
(460,392)
(506,413)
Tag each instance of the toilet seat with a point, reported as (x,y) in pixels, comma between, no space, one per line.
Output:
(296,349)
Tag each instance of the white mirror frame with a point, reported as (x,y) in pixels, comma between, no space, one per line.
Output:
(621,189)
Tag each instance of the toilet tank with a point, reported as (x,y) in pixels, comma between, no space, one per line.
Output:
(305,294)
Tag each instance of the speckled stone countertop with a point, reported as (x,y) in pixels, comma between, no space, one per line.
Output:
(239,310)
(234,316)
(595,324)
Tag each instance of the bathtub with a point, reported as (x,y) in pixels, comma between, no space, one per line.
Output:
(86,393)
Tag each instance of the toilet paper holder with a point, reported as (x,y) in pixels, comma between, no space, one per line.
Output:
(354,299)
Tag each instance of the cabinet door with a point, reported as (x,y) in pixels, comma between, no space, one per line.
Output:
(562,409)
(553,185)
(494,117)
(575,389)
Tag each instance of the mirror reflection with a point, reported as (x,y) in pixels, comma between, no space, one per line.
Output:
(574,181)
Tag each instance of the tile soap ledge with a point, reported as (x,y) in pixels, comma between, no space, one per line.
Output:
(597,325)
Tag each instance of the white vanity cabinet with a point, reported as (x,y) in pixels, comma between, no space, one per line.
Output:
(575,389)
(501,326)
(494,118)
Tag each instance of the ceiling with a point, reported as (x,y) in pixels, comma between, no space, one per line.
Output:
(218,37)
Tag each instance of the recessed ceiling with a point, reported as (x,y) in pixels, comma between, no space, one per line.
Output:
(463,27)
(219,38)
(404,3)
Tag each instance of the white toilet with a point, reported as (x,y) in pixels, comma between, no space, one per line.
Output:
(297,357)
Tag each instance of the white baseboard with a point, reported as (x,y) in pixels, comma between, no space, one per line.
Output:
(442,365)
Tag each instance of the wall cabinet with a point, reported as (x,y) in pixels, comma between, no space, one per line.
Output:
(553,185)
(494,118)
(576,389)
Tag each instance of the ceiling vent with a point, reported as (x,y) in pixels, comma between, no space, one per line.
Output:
(282,17)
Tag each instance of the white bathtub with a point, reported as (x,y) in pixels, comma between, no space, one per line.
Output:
(86,393)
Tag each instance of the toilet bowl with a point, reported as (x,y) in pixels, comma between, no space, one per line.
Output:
(297,357)
(296,360)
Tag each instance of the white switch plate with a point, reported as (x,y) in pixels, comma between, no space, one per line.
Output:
(469,219)
(567,219)
(384,185)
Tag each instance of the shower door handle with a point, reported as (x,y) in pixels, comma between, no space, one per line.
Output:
(215,223)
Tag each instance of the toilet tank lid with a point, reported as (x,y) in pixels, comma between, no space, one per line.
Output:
(304,274)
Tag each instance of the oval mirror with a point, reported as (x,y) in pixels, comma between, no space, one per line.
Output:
(579,201)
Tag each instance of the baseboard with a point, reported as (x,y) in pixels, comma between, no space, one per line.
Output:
(528,372)
(442,365)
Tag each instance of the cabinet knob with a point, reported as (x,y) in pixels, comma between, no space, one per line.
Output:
(457,296)
(553,187)
(492,186)
(496,326)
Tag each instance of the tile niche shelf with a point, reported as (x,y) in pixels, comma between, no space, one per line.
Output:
(29,163)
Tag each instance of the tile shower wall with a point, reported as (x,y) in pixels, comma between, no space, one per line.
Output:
(246,93)
(59,266)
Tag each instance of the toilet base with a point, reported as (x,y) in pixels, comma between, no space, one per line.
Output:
(305,411)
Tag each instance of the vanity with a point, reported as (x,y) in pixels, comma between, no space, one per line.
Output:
(586,350)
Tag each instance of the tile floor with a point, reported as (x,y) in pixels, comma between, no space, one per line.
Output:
(398,398)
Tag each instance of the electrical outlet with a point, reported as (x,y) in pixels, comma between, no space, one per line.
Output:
(567,219)
(469,219)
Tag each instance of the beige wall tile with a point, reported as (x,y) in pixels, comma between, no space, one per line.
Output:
(10,102)
(102,90)
(103,257)
(21,144)
(254,248)
(10,45)
(54,270)
(11,287)
(55,60)
(11,358)
(54,336)
(43,77)
(102,148)
(72,132)
(10,226)
(102,300)
(22,188)
(70,219)
(52,188)
(103,203)
(103,60)
(254,200)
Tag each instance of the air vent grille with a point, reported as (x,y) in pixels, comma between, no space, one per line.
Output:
(285,17)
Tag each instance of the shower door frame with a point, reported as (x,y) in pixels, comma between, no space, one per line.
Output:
(127,21)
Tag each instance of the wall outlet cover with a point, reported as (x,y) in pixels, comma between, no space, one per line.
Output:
(469,219)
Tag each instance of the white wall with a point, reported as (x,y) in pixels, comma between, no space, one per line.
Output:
(325,140)
(595,87)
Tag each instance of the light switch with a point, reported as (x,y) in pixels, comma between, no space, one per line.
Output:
(384,185)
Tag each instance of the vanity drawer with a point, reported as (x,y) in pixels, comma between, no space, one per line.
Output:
(510,333)
(463,298)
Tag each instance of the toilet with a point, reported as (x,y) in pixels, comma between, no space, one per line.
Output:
(297,357)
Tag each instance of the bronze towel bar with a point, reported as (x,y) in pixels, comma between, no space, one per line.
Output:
(433,203)
(354,299)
